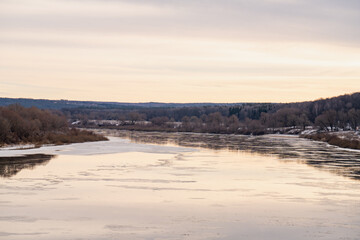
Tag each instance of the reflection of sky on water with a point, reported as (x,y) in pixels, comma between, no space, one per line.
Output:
(204,194)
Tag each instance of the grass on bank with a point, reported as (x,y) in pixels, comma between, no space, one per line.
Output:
(344,140)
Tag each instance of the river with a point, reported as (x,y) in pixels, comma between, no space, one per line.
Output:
(181,186)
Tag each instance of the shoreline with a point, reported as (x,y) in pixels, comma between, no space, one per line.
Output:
(340,137)
(345,139)
(56,139)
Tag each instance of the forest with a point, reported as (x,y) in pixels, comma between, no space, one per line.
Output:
(32,125)
(331,114)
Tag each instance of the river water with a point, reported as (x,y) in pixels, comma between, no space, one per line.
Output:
(181,186)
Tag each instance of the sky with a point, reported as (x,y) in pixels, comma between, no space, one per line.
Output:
(179,50)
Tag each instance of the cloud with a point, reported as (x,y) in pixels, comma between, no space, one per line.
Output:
(48,8)
(116,48)
(274,20)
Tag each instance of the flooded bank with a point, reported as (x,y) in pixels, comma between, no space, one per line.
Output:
(150,186)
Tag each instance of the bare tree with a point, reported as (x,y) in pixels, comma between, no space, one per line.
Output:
(354,118)
(327,119)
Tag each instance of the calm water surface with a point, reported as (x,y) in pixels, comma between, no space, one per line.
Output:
(258,188)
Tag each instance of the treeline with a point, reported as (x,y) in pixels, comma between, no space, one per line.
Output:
(142,113)
(330,114)
(32,125)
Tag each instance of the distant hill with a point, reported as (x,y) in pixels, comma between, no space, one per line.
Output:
(68,104)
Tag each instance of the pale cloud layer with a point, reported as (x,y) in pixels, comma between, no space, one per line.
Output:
(179,51)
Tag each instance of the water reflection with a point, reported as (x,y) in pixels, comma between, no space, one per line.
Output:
(10,166)
(147,192)
(318,154)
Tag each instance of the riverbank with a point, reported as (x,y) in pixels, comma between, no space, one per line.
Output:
(345,139)
(178,129)
(55,138)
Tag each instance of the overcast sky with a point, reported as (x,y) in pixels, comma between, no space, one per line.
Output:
(179,50)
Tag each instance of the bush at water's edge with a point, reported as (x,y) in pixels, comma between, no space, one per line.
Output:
(19,125)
